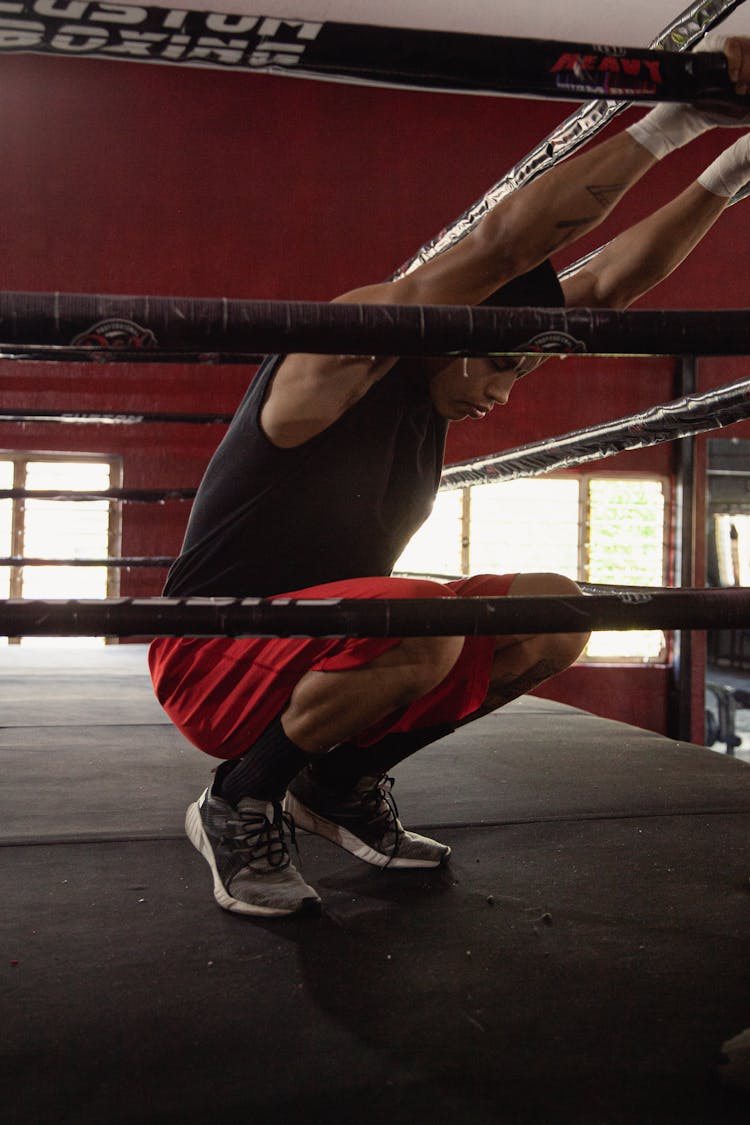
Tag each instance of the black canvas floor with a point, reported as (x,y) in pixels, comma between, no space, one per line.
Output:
(581,960)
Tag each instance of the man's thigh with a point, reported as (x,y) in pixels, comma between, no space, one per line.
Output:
(465,688)
(222,692)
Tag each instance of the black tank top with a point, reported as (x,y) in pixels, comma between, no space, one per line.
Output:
(342,505)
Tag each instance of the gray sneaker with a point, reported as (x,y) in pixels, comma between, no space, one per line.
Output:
(363,821)
(246,849)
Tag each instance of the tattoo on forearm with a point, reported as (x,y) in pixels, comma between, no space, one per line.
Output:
(605,194)
(568,229)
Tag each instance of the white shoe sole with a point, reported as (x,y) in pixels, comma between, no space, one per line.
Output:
(196,834)
(309,821)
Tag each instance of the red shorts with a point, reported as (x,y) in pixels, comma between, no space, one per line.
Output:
(222,692)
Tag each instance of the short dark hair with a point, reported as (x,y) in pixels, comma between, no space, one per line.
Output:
(539,288)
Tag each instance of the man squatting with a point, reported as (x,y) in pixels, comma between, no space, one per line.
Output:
(330,465)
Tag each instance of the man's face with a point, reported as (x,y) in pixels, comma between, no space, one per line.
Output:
(471,388)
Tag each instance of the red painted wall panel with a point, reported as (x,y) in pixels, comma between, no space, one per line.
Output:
(634,694)
(120,177)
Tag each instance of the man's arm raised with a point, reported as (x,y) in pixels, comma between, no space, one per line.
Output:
(645,254)
(310,392)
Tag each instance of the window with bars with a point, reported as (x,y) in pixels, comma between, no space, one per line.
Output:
(591,528)
(41,529)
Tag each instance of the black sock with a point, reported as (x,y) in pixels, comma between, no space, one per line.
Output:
(264,771)
(342,767)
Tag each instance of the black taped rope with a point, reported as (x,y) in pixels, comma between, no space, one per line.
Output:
(425,59)
(41,353)
(440,60)
(197,330)
(418,617)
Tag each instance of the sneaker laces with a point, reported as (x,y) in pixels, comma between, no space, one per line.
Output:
(377,798)
(255,836)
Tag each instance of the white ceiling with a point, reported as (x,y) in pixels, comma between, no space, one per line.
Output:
(626,23)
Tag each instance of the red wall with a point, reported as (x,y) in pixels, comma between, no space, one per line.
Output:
(119,177)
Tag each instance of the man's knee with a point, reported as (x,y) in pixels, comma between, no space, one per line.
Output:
(559,650)
(529,585)
(423,662)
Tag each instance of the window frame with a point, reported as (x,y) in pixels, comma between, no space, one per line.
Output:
(667,576)
(584,479)
(20,460)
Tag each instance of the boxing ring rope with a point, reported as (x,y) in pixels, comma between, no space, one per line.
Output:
(42,353)
(683,417)
(494,64)
(132,495)
(113,418)
(202,330)
(390,56)
(342,617)
(121,562)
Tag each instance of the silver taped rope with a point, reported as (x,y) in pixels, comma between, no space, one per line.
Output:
(692,414)
(685,30)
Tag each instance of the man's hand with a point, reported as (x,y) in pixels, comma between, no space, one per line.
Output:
(737,51)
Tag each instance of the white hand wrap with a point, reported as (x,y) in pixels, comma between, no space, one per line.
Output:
(670,126)
(710,43)
(730,171)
